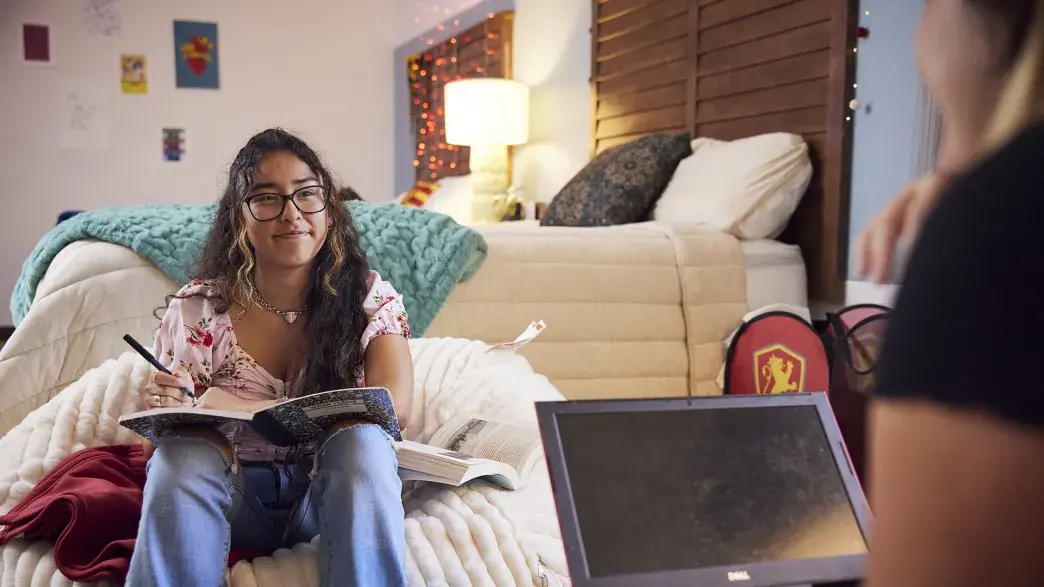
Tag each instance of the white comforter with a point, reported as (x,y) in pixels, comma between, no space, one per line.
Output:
(476,535)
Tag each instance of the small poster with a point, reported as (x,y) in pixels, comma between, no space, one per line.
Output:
(173,144)
(85,119)
(134,78)
(36,44)
(196,54)
(102,17)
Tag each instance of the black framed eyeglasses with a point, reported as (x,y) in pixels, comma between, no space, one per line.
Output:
(265,207)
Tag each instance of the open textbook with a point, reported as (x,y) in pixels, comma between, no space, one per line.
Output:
(300,420)
(473,447)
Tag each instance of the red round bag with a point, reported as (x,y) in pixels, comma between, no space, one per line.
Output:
(776,352)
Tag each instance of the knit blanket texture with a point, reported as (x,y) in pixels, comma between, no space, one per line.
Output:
(477,535)
(421,253)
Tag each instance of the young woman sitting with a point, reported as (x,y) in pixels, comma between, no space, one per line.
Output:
(285,305)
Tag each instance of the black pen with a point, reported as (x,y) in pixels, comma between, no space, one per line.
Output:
(151,359)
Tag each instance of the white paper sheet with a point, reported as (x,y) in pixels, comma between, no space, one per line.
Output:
(102,17)
(84,116)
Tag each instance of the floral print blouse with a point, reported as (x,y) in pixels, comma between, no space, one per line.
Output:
(194,338)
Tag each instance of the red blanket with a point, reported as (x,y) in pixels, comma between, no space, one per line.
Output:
(89,507)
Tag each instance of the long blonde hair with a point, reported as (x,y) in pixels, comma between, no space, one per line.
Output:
(1022,99)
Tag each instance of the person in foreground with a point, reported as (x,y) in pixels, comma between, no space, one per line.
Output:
(957,424)
(285,306)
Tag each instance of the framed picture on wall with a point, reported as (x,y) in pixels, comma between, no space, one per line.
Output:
(134,78)
(173,145)
(38,45)
(196,47)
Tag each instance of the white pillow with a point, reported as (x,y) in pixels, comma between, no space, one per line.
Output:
(748,187)
(453,198)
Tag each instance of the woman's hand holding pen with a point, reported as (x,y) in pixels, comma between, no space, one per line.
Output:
(166,391)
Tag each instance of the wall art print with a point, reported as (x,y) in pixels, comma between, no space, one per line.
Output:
(36,44)
(196,62)
(134,78)
(173,144)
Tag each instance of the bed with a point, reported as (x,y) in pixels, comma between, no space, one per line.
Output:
(730,69)
(775,273)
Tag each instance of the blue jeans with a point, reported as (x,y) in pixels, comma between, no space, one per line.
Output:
(197,506)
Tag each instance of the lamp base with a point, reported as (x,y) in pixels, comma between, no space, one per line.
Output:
(489,180)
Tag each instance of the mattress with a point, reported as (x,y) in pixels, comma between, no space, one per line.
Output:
(775,270)
(634,310)
(775,274)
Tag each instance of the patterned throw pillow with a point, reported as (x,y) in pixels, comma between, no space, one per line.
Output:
(621,184)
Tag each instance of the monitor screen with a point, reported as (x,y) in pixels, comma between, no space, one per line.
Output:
(686,489)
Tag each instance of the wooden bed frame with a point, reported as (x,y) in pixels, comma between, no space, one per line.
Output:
(729,69)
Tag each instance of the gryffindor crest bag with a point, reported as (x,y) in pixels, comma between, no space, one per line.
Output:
(776,352)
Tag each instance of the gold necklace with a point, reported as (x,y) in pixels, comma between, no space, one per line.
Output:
(288,315)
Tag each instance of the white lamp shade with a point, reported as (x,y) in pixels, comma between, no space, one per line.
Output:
(486,111)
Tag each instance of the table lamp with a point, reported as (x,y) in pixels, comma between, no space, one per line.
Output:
(488,115)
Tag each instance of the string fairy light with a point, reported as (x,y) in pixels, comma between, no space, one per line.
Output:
(862,32)
(430,70)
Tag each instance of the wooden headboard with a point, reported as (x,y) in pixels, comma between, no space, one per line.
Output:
(729,69)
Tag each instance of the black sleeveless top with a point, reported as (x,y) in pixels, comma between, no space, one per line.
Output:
(968,326)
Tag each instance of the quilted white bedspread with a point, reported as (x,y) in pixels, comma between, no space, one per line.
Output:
(476,535)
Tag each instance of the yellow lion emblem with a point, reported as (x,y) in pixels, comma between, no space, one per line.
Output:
(777,369)
(777,376)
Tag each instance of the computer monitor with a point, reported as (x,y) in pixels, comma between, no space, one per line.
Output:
(703,492)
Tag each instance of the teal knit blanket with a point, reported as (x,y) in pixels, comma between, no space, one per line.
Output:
(421,253)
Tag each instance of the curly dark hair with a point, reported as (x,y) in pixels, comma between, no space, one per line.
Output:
(336,319)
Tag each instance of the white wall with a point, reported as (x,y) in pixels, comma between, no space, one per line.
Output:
(885,128)
(553,56)
(313,66)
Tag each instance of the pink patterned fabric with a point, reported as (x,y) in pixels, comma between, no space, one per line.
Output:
(194,338)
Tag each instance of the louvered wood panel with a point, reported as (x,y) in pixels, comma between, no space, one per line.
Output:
(786,98)
(765,24)
(645,38)
(730,69)
(788,44)
(651,14)
(810,66)
(718,12)
(632,61)
(640,67)
(805,121)
(660,75)
(610,7)
(654,99)
(641,122)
